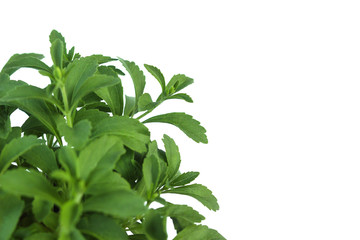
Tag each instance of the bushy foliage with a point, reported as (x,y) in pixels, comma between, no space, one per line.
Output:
(83,165)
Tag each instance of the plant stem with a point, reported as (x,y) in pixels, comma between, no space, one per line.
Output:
(67,112)
(150,110)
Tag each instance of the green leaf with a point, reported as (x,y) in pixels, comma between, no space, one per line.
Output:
(172,156)
(133,134)
(199,192)
(182,96)
(137,237)
(102,59)
(76,74)
(136,75)
(51,221)
(105,181)
(129,106)
(69,215)
(145,102)
(178,82)
(61,175)
(41,157)
(14,133)
(184,178)
(113,96)
(9,85)
(41,208)
(11,208)
(102,227)
(4,77)
(78,135)
(93,115)
(24,92)
(57,51)
(24,232)
(157,74)
(90,156)
(184,122)
(198,232)
(31,184)
(92,84)
(46,114)
(151,172)
(68,158)
(41,236)
(28,60)
(185,213)
(155,226)
(15,149)
(55,35)
(32,126)
(127,167)
(5,124)
(122,204)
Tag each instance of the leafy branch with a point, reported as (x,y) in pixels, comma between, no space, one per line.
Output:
(82,165)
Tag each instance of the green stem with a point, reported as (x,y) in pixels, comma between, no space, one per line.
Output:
(67,111)
(150,110)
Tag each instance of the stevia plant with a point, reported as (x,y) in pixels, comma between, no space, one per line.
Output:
(83,165)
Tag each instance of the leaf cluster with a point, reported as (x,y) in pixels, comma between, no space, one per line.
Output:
(83,165)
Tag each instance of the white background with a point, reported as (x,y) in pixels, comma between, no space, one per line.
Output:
(276,85)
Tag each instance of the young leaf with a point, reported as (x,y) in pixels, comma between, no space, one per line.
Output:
(157,74)
(41,208)
(102,227)
(11,208)
(105,181)
(57,53)
(151,173)
(172,156)
(122,204)
(68,159)
(199,192)
(136,75)
(55,35)
(102,59)
(155,226)
(46,114)
(184,122)
(92,84)
(113,95)
(31,184)
(28,60)
(129,106)
(77,73)
(184,178)
(127,168)
(23,92)
(41,157)
(178,82)
(93,115)
(198,232)
(182,96)
(183,212)
(15,149)
(90,156)
(78,135)
(133,134)
(145,102)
